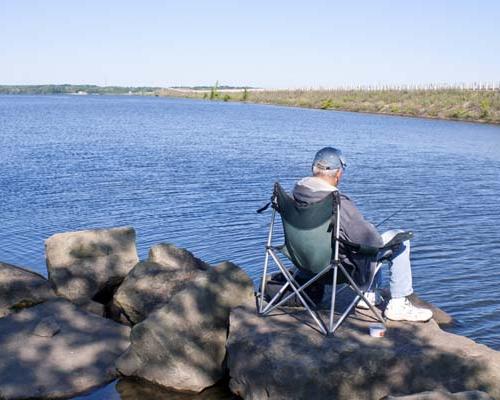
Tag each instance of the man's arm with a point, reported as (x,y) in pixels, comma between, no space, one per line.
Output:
(354,227)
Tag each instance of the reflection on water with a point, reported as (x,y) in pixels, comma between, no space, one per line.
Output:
(132,389)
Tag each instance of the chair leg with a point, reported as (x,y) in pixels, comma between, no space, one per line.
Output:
(263,283)
(369,286)
(266,262)
(290,277)
(299,295)
(360,294)
(300,289)
(332,301)
(343,316)
(276,296)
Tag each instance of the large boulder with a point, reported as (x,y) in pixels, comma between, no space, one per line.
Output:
(89,265)
(278,357)
(152,283)
(147,287)
(55,350)
(182,344)
(175,258)
(20,288)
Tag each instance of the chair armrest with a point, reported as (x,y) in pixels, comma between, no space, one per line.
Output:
(364,250)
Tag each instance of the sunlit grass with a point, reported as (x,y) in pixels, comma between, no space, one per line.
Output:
(466,105)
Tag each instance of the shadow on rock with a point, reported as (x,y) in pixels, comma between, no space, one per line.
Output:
(55,350)
(280,357)
(182,345)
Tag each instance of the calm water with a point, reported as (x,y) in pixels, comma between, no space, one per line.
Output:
(193,173)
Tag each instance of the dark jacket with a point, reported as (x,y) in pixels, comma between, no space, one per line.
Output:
(353,226)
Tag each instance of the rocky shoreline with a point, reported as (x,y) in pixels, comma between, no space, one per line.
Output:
(182,324)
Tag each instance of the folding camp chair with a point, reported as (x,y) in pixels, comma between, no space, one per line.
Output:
(312,236)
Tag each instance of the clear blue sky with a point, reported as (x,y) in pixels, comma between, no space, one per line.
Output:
(258,43)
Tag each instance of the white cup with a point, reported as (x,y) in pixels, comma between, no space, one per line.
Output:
(377,330)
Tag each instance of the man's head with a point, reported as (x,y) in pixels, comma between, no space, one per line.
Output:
(329,164)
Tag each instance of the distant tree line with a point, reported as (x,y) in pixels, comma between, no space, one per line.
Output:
(72,89)
(94,89)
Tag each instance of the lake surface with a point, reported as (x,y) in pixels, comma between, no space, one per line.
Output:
(193,173)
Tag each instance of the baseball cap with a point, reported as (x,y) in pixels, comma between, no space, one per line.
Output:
(329,158)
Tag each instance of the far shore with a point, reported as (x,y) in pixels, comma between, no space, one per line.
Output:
(457,104)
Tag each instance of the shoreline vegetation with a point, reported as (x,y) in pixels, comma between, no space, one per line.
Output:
(473,104)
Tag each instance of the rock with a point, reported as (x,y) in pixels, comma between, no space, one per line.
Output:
(440,316)
(175,258)
(182,345)
(232,285)
(278,357)
(151,284)
(93,307)
(47,327)
(148,286)
(116,314)
(78,358)
(88,265)
(442,395)
(20,288)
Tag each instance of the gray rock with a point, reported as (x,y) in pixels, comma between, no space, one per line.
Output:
(83,265)
(175,258)
(232,285)
(440,316)
(47,327)
(148,286)
(20,288)
(182,344)
(443,395)
(93,307)
(78,358)
(277,357)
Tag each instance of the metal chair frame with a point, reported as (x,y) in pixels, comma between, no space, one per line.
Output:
(272,252)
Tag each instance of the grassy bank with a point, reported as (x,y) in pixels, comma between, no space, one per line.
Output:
(464,105)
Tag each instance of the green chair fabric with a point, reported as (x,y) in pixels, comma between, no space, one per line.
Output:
(308,230)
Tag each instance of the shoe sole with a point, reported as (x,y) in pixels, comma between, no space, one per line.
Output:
(407,320)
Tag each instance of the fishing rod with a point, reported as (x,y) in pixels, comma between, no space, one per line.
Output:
(392,215)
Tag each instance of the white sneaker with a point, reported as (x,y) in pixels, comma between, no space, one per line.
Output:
(401,309)
(374,298)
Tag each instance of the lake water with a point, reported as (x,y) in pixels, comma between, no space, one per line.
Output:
(193,173)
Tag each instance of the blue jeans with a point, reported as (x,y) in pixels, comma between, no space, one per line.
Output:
(400,278)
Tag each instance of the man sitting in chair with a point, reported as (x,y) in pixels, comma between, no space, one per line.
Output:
(327,168)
